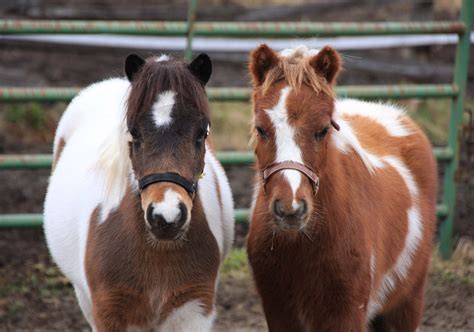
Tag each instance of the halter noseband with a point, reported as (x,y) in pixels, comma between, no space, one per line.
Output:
(288,164)
(190,187)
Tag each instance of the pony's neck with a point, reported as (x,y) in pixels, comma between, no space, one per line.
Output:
(332,200)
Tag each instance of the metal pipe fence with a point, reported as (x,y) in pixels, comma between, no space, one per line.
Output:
(455,91)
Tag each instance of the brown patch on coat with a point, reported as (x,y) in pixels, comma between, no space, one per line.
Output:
(135,281)
(322,281)
(58,152)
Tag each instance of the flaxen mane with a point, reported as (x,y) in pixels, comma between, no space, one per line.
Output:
(296,70)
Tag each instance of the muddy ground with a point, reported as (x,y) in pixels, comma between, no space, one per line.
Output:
(35,297)
(33,294)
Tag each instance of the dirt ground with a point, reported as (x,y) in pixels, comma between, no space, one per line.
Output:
(34,296)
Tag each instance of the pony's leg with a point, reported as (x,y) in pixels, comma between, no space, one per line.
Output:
(188,317)
(378,325)
(354,321)
(85,305)
(407,316)
(106,316)
(281,318)
(103,323)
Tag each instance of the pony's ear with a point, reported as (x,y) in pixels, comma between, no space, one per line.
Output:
(327,63)
(262,59)
(133,64)
(201,67)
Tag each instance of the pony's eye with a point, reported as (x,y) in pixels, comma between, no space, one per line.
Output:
(261,132)
(135,139)
(137,142)
(133,133)
(202,135)
(320,134)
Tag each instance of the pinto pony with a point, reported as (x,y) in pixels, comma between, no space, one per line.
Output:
(344,205)
(139,213)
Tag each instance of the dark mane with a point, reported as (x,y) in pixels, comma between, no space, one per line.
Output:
(156,77)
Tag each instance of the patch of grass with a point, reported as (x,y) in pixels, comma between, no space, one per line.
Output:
(14,288)
(236,263)
(29,115)
(460,268)
(230,125)
(432,115)
(42,281)
(15,308)
(30,123)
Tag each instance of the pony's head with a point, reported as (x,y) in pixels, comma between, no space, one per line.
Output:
(168,120)
(293,105)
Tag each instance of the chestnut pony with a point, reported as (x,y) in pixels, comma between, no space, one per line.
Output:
(139,213)
(344,205)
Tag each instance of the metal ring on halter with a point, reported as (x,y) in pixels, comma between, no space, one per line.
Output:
(190,187)
(288,164)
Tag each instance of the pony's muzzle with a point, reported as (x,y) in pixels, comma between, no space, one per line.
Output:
(167,210)
(166,225)
(292,217)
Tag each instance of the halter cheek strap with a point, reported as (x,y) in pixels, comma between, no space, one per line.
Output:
(190,187)
(288,164)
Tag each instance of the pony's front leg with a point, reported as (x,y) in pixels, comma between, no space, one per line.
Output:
(107,323)
(191,317)
(353,321)
(114,311)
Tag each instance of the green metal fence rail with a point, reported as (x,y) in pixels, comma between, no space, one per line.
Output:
(456,90)
(230,29)
(8,94)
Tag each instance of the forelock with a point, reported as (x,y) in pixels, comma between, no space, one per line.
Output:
(294,68)
(158,77)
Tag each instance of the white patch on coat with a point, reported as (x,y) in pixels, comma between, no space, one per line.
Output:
(399,270)
(286,147)
(388,116)
(189,317)
(220,219)
(162,108)
(85,305)
(404,172)
(80,183)
(345,140)
(391,118)
(169,207)
(373,267)
(116,167)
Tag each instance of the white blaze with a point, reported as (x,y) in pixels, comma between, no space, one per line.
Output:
(169,206)
(286,147)
(162,108)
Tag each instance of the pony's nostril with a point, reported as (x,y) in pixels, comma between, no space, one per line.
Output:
(278,208)
(149,214)
(183,214)
(154,219)
(302,209)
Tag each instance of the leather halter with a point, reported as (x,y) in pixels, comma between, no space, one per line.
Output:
(190,187)
(288,164)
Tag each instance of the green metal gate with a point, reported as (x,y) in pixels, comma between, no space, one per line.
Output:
(455,91)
